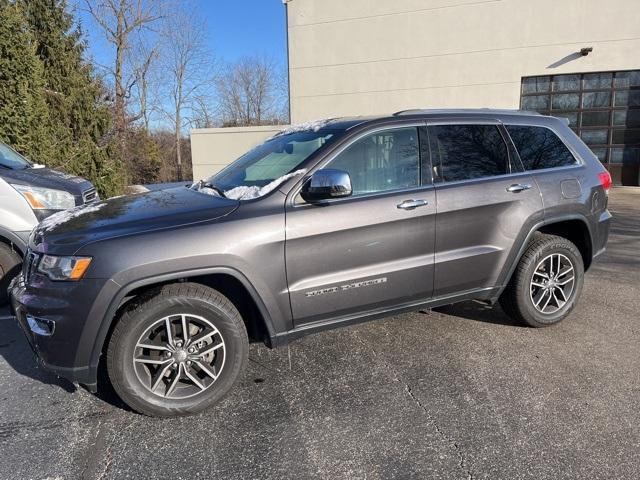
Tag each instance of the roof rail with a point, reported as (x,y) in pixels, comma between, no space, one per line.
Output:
(418,111)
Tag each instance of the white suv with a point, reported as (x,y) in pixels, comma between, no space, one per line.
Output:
(28,194)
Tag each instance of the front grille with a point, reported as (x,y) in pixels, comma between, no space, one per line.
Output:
(29,265)
(89,195)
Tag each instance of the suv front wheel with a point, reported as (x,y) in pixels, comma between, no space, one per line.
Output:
(547,282)
(177,351)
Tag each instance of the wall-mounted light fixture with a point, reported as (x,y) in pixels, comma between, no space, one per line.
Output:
(586,51)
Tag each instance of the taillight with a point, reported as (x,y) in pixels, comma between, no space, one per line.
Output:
(605,181)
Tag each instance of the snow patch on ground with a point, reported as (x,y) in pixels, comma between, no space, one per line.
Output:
(59,218)
(312,126)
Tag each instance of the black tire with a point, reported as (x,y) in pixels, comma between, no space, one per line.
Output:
(518,299)
(172,301)
(10,262)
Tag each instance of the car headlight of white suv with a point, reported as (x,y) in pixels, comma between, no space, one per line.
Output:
(45,198)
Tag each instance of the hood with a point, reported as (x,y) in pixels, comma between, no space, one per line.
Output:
(67,231)
(47,178)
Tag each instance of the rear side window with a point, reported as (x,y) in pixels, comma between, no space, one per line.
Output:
(465,152)
(540,147)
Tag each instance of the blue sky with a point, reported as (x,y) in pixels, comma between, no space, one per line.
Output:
(234,28)
(245,27)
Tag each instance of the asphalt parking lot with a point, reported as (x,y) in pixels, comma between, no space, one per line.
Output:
(461,392)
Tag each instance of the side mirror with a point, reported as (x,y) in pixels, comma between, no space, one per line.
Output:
(326,184)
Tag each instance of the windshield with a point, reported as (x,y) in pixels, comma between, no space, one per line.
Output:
(9,158)
(265,167)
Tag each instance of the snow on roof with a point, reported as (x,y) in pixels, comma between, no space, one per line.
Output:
(312,126)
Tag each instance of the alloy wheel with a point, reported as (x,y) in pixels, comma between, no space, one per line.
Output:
(179,356)
(552,283)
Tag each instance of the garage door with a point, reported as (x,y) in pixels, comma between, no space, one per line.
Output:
(602,107)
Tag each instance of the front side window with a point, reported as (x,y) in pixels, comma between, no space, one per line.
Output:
(382,161)
(466,152)
(540,147)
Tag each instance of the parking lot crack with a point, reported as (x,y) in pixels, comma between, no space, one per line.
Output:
(461,456)
(11,429)
(462,460)
(99,455)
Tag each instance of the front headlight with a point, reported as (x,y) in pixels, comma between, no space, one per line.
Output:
(64,268)
(46,198)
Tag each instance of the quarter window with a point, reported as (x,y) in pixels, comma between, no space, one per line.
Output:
(465,152)
(382,161)
(540,147)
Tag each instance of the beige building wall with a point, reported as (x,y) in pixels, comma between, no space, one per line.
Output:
(360,57)
(214,148)
(353,57)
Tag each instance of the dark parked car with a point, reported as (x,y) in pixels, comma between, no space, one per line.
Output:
(324,225)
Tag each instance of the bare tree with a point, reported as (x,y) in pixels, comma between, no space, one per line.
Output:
(283,106)
(144,59)
(203,115)
(187,69)
(119,20)
(250,92)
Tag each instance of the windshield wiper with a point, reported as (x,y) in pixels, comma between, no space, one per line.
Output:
(202,184)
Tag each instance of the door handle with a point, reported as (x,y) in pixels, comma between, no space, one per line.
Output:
(412,204)
(518,187)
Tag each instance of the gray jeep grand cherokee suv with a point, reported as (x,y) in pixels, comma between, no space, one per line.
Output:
(324,225)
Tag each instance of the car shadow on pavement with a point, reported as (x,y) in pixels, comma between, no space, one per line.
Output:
(106,393)
(17,354)
(478,312)
(15,351)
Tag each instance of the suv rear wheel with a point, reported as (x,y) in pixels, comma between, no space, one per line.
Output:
(178,351)
(9,267)
(547,282)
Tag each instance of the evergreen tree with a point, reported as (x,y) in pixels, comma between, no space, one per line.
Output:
(77,119)
(143,160)
(23,111)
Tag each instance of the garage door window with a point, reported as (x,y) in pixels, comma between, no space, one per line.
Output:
(603,108)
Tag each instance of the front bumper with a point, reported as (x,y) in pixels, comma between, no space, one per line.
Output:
(56,319)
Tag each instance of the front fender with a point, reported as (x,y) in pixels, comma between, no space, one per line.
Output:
(113,295)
